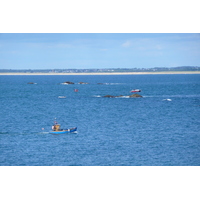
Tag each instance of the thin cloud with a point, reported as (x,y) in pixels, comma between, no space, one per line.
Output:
(126,44)
(158,47)
(48,45)
(63,45)
(103,49)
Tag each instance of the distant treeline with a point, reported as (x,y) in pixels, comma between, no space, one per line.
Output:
(111,70)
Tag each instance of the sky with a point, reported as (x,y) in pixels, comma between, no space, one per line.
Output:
(98,50)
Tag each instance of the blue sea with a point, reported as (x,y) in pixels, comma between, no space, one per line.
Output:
(160,129)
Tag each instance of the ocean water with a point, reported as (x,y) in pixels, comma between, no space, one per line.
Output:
(160,129)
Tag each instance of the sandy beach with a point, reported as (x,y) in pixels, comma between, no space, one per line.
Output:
(106,73)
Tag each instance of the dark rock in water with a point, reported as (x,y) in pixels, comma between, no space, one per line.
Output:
(134,95)
(83,83)
(109,96)
(130,96)
(68,83)
(31,83)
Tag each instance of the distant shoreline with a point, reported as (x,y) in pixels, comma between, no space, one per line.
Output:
(107,73)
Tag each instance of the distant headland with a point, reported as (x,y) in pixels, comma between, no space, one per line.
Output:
(105,71)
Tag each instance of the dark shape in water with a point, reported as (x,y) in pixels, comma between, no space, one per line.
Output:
(83,83)
(31,83)
(130,96)
(68,83)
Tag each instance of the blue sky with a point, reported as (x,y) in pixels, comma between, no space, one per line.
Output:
(98,50)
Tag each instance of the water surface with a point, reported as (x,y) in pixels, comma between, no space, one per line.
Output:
(160,129)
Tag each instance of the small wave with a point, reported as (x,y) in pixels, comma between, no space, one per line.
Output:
(115,83)
(43,133)
(167,100)
(148,96)
(62,97)
(110,83)
(14,133)
(97,96)
(124,97)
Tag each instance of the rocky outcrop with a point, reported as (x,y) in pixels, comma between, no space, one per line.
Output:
(129,96)
(68,83)
(109,96)
(31,83)
(134,95)
(83,83)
